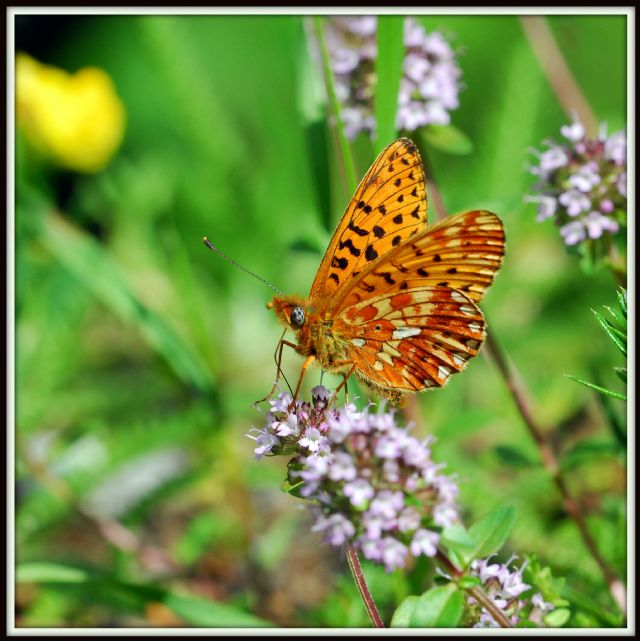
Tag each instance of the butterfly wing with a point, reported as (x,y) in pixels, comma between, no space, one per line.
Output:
(462,252)
(389,206)
(413,340)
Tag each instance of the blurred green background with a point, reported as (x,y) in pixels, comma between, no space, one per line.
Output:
(139,353)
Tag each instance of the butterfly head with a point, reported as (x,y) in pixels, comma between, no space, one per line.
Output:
(291,311)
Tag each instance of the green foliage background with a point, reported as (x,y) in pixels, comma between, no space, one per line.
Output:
(134,342)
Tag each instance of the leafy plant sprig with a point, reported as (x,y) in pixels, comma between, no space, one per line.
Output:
(617,332)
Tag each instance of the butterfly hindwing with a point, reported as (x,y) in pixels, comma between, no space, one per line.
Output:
(415,339)
(388,207)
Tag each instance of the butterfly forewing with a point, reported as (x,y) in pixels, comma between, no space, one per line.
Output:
(462,253)
(389,206)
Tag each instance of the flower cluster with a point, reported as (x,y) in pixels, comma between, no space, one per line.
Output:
(429,85)
(506,589)
(373,484)
(582,183)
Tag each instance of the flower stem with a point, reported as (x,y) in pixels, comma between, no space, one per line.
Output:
(358,576)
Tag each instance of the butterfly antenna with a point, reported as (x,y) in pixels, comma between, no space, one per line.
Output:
(213,248)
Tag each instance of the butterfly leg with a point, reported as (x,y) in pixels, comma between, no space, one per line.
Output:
(305,365)
(344,380)
(279,372)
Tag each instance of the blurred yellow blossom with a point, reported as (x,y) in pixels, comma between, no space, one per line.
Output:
(77,119)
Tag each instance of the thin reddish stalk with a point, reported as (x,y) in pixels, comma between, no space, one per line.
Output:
(557,71)
(358,576)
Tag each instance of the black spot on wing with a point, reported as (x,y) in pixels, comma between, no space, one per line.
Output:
(370,253)
(350,246)
(357,230)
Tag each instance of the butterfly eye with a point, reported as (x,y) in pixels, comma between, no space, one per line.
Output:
(297,316)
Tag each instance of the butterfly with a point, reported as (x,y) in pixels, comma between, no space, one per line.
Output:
(395,299)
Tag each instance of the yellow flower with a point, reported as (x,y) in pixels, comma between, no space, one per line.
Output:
(78,120)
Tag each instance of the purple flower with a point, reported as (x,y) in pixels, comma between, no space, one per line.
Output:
(484,570)
(409,519)
(388,447)
(337,529)
(288,427)
(425,542)
(359,492)
(582,184)
(596,224)
(342,467)
(312,439)
(281,403)
(266,442)
(546,206)
(573,233)
(586,178)
(445,514)
(615,148)
(393,553)
(429,86)
(574,132)
(606,206)
(387,504)
(371,548)
(574,201)
(552,159)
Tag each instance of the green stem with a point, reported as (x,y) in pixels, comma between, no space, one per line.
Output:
(345,149)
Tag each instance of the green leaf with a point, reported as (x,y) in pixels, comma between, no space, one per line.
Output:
(440,607)
(622,301)
(602,390)
(622,373)
(210,614)
(388,74)
(618,337)
(490,533)
(514,457)
(50,573)
(467,582)
(557,618)
(447,138)
(402,616)
(458,543)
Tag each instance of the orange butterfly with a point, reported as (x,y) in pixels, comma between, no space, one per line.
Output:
(394,300)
